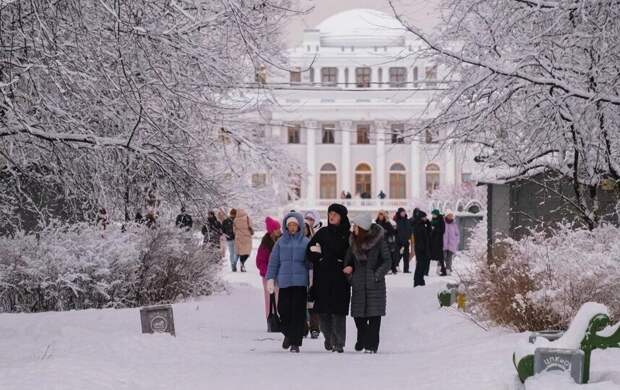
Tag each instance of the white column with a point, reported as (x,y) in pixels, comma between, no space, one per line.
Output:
(345,165)
(380,127)
(311,176)
(417,172)
(451,174)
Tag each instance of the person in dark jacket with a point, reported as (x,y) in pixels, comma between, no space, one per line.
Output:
(212,231)
(438,228)
(390,237)
(184,220)
(229,232)
(368,260)
(403,237)
(421,246)
(288,266)
(330,287)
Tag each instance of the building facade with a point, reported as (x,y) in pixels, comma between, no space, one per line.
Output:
(346,110)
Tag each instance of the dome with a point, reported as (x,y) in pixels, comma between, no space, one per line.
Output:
(361,27)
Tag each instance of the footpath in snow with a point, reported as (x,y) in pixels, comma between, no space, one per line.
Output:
(221,343)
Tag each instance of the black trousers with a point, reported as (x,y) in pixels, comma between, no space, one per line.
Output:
(405,256)
(292,303)
(422,264)
(243,258)
(368,332)
(334,327)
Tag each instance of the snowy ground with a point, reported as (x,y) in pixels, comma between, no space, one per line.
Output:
(221,343)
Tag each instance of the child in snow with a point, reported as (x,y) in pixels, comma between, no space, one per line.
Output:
(264,251)
(288,265)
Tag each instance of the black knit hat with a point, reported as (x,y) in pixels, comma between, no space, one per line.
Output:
(339,209)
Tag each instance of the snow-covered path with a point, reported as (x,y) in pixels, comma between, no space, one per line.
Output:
(221,343)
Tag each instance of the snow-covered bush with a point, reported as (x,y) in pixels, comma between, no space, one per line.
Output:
(541,281)
(82,266)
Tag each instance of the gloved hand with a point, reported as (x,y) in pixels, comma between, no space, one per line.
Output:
(271,286)
(316,248)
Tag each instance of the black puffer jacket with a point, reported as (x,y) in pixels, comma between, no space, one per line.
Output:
(403,228)
(421,235)
(438,228)
(371,261)
(330,288)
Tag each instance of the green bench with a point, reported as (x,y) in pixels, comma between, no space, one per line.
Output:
(589,330)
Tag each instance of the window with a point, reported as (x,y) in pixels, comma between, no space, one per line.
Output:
(398,77)
(363,132)
(431,74)
(295,76)
(346,77)
(398,133)
(328,134)
(415,76)
(329,76)
(432,136)
(259,180)
(311,75)
(293,134)
(432,177)
(380,77)
(363,179)
(328,182)
(466,177)
(398,181)
(362,77)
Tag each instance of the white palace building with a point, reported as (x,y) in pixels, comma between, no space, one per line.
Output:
(344,110)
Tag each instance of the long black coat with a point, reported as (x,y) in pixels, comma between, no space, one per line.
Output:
(330,288)
(421,237)
(403,230)
(438,228)
(371,261)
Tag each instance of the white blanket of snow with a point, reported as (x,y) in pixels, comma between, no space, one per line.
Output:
(221,343)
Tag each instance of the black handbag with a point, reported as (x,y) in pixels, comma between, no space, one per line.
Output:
(273,320)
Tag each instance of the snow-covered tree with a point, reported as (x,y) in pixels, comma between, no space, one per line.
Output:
(536,85)
(99,99)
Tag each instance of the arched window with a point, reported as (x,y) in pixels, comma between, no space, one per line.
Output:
(328,181)
(415,76)
(346,77)
(311,76)
(398,181)
(432,177)
(363,180)
(380,77)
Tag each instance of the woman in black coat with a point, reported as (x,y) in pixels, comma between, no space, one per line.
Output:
(330,287)
(403,237)
(422,248)
(438,228)
(368,261)
(390,237)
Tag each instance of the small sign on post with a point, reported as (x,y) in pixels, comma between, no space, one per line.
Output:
(555,359)
(157,319)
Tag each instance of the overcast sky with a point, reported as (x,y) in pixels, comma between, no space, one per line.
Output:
(421,13)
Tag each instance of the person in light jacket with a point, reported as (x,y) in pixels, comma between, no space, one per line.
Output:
(451,240)
(367,262)
(243,236)
(288,266)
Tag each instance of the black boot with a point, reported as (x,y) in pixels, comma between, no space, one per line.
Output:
(294,349)
(359,346)
(286,343)
(328,345)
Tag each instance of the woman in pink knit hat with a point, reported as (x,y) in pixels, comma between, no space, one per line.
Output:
(263,253)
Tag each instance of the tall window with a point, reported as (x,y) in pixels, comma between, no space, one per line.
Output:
(346,77)
(294,134)
(363,179)
(328,134)
(432,177)
(328,182)
(329,77)
(311,75)
(431,75)
(295,76)
(398,77)
(380,77)
(363,134)
(259,180)
(398,181)
(415,76)
(362,77)
(398,133)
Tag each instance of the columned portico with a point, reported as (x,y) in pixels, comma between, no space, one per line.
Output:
(311,179)
(345,171)
(380,132)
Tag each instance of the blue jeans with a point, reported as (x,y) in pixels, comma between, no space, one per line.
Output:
(232,254)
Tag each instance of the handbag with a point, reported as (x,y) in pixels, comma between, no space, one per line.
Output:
(273,320)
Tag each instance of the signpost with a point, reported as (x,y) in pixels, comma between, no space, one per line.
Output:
(157,319)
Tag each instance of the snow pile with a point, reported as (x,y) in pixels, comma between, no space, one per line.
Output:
(541,281)
(82,266)
(555,380)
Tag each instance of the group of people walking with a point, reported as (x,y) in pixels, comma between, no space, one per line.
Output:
(339,268)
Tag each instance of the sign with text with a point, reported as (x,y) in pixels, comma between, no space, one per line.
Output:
(569,361)
(157,319)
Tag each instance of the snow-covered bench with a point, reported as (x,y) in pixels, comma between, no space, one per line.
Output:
(589,330)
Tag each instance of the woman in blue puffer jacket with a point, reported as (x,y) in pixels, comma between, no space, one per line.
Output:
(289,268)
